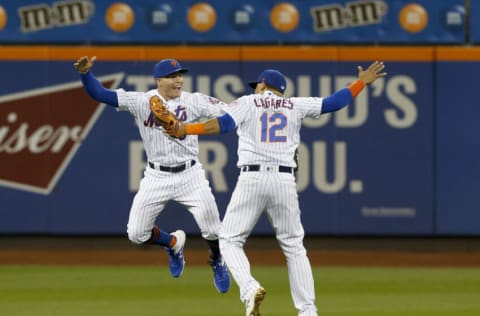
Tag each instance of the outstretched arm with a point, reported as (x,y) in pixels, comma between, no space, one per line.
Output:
(343,97)
(178,129)
(217,125)
(93,87)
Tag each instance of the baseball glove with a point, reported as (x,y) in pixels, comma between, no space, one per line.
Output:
(166,119)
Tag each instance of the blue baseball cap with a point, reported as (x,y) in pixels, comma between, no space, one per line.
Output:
(272,78)
(167,67)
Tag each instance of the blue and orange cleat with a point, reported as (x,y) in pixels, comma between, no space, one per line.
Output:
(221,278)
(177,262)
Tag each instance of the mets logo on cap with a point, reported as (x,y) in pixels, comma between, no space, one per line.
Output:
(166,67)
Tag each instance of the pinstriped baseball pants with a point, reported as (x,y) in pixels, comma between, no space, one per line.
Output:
(275,193)
(189,188)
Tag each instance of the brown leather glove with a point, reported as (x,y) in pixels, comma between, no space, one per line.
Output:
(166,119)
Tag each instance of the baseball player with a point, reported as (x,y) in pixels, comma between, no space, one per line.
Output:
(173,171)
(268,127)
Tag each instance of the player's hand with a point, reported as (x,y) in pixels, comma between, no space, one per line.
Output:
(83,64)
(177,130)
(372,73)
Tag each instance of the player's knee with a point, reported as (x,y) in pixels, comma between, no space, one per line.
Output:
(293,249)
(137,236)
(209,235)
(226,241)
(221,242)
(292,246)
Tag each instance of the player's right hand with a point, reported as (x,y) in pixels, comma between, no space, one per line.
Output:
(83,64)
(372,73)
(177,130)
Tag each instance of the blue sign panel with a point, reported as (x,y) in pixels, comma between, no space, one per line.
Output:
(458,149)
(71,165)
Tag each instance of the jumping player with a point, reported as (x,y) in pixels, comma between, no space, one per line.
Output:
(173,171)
(268,126)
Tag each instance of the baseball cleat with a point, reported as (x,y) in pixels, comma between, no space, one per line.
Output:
(221,278)
(177,262)
(253,304)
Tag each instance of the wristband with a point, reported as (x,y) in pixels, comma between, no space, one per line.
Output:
(356,87)
(195,129)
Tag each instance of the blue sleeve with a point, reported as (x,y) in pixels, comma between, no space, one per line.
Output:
(226,123)
(337,101)
(97,91)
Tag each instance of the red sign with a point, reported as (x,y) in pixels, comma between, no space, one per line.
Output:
(40,131)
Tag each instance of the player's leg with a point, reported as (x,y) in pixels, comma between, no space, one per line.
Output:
(196,195)
(243,211)
(284,214)
(147,204)
(198,198)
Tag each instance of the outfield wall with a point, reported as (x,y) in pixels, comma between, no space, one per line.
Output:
(401,160)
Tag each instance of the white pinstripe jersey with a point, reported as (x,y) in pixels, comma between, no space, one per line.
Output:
(188,107)
(268,126)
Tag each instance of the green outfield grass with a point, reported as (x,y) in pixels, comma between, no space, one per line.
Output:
(148,290)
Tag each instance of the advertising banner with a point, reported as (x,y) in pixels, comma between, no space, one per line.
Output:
(71,165)
(232,22)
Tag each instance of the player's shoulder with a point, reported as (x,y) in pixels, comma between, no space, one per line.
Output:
(203,98)
(150,93)
(187,97)
(305,100)
(134,96)
(250,96)
(244,99)
(137,94)
(142,96)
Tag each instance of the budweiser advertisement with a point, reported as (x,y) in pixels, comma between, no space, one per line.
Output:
(41,133)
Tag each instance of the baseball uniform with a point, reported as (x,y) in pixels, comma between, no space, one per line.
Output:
(173,171)
(268,127)
(159,185)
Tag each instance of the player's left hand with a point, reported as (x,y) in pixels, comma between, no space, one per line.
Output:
(166,119)
(372,73)
(83,64)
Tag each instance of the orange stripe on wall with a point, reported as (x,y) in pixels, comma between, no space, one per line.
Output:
(458,53)
(338,53)
(120,53)
(386,53)
(24,53)
(246,53)
(289,53)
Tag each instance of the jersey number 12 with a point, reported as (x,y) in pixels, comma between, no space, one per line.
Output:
(271,125)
